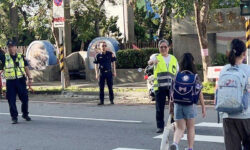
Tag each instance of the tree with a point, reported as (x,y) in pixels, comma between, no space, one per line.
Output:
(201,9)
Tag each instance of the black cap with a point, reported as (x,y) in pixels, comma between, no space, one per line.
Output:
(11,43)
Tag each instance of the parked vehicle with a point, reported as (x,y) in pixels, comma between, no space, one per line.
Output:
(149,76)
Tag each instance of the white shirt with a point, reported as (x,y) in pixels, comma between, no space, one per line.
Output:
(166,59)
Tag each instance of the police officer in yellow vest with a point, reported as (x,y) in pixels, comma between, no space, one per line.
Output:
(15,68)
(166,67)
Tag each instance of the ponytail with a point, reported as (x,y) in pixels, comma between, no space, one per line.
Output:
(237,48)
(232,57)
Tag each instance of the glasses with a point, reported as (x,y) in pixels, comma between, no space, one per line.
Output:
(163,47)
(104,45)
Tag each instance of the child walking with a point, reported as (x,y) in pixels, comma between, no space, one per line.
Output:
(184,115)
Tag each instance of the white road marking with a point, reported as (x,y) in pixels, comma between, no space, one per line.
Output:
(129,149)
(77,118)
(201,138)
(206,138)
(209,124)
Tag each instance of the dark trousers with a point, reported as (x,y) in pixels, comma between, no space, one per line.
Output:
(236,133)
(109,78)
(17,87)
(160,102)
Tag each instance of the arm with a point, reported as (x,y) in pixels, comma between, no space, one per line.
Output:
(97,71)
(114,68)
(113,65)
(27,71)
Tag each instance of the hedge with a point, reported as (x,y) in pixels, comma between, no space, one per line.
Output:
(130,58)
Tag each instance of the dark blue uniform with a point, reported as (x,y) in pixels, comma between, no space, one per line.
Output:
(16,87)
(105,61)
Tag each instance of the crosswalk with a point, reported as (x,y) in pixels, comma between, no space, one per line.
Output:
(204,138)
(200,138)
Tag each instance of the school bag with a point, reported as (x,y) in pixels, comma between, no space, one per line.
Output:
(186,89)
(231,89)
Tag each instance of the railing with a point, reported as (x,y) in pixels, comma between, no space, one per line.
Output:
(20,49)
(133,45)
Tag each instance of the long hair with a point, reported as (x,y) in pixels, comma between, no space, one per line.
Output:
(237,47)
(187,63)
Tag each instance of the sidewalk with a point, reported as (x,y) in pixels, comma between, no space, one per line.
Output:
(125,93)
(87,84)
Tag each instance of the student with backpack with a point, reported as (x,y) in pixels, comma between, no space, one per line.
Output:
(233,99)
(185,94)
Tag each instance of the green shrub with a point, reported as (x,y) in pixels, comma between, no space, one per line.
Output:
(130,58)
(208,87)
(219,60)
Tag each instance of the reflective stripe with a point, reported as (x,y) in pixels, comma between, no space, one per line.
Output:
(164,84)
(12,72)
(164,73)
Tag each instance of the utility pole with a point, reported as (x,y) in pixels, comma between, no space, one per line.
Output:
(245,11)
(59,22)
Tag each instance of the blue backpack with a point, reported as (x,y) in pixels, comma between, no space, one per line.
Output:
(186,90)
(231,89)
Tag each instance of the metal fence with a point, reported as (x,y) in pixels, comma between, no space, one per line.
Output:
(134,45)
(20,49)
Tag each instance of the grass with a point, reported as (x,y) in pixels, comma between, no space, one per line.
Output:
(208,88)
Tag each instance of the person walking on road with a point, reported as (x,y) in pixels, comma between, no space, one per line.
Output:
(184,114)
(15,68)
(236,126)
(166,67)
(104,62)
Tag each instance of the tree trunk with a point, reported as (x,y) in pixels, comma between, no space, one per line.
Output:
(160,32)
(129,32)
(14,21)
(67,28)
(55,31)
(201,16)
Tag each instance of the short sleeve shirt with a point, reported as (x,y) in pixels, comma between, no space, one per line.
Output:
(104,60)
(167,60)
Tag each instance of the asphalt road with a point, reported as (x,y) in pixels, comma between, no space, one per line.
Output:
(60,126)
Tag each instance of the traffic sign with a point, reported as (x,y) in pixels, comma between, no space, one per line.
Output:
(58,2)
(214,72)
(58,13)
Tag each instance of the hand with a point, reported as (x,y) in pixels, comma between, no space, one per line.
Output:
(155,62)
(204,112)
(114,74)
(29,81)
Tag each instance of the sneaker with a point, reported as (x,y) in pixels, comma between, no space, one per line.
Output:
(14,120)
(101,103)
(112,102)
(27,118)
(173,147)
(159,130)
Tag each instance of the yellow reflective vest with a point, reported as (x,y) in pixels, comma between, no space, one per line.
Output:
(164,73)
(14,70)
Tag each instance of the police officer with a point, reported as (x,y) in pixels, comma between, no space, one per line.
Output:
(104,62)
(15,68)
(166,67)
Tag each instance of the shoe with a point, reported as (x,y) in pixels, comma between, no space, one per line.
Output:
(27,118)
(101,103)
(159,130)
(173,147)
(112,102)
(14,120)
